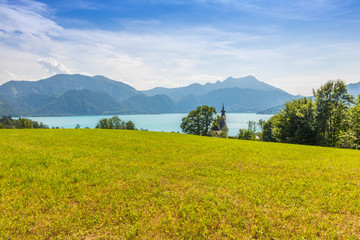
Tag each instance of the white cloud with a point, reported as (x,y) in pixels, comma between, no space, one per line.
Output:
(53,66)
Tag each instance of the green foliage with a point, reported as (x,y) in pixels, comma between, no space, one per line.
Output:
(224,132)
(130,125)
(252,126)
(268,128)
(106,184)
(217,121)
(332,103)
(199,121)
(351,137)
(261,124)
(115,123)
(296,122)
(8,122)
(325,122)
(249,133)
(246,134)
(77,126)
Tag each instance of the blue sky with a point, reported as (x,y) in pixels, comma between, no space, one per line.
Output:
(294,45)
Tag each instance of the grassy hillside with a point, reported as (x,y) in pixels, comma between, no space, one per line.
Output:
(91,184)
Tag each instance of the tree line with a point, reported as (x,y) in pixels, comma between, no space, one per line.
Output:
(8,122)
(106,123)
(115,123)
(331,118)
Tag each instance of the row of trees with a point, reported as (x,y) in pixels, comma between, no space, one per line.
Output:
(8,122)
(331,118)
(115,123)
(105,123)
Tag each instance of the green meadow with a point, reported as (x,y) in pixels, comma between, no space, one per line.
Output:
(118,184)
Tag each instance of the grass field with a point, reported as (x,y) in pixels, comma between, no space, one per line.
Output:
(114,184)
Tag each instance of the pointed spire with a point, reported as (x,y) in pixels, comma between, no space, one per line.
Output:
(223,110)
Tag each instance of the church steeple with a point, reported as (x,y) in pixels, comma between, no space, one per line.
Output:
(223,111)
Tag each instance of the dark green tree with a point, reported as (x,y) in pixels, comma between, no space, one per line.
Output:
(116,123)
(130,125)
(199,121)
(267,132)
(296,122)
(351,137)
(332,104)
(103,124)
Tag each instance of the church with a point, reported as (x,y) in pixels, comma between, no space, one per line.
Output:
(219,128)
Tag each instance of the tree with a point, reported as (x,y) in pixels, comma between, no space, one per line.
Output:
(115,123)
(332,104)
(249,133)
(267,132)
(296,122)
(24,123)
(246,134)
(77,126)
(260,125)
(199,121)
(103,124)
(351,137)
(130,125)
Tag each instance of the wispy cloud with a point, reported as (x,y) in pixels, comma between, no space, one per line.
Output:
(53,66)
(12,75)
(28,18)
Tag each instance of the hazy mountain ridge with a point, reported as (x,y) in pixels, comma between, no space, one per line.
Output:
(65,94)
(177,94)
(245,94)
(61,83)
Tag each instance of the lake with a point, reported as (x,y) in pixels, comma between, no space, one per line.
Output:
(151,122)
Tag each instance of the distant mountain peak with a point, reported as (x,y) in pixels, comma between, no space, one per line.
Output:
(248,82)
(249,77)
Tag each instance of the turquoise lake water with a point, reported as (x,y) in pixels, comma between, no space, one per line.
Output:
(151,122)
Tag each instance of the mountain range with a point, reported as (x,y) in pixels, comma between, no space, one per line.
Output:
(66,94)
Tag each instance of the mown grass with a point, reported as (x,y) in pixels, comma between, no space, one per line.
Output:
(114,184)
